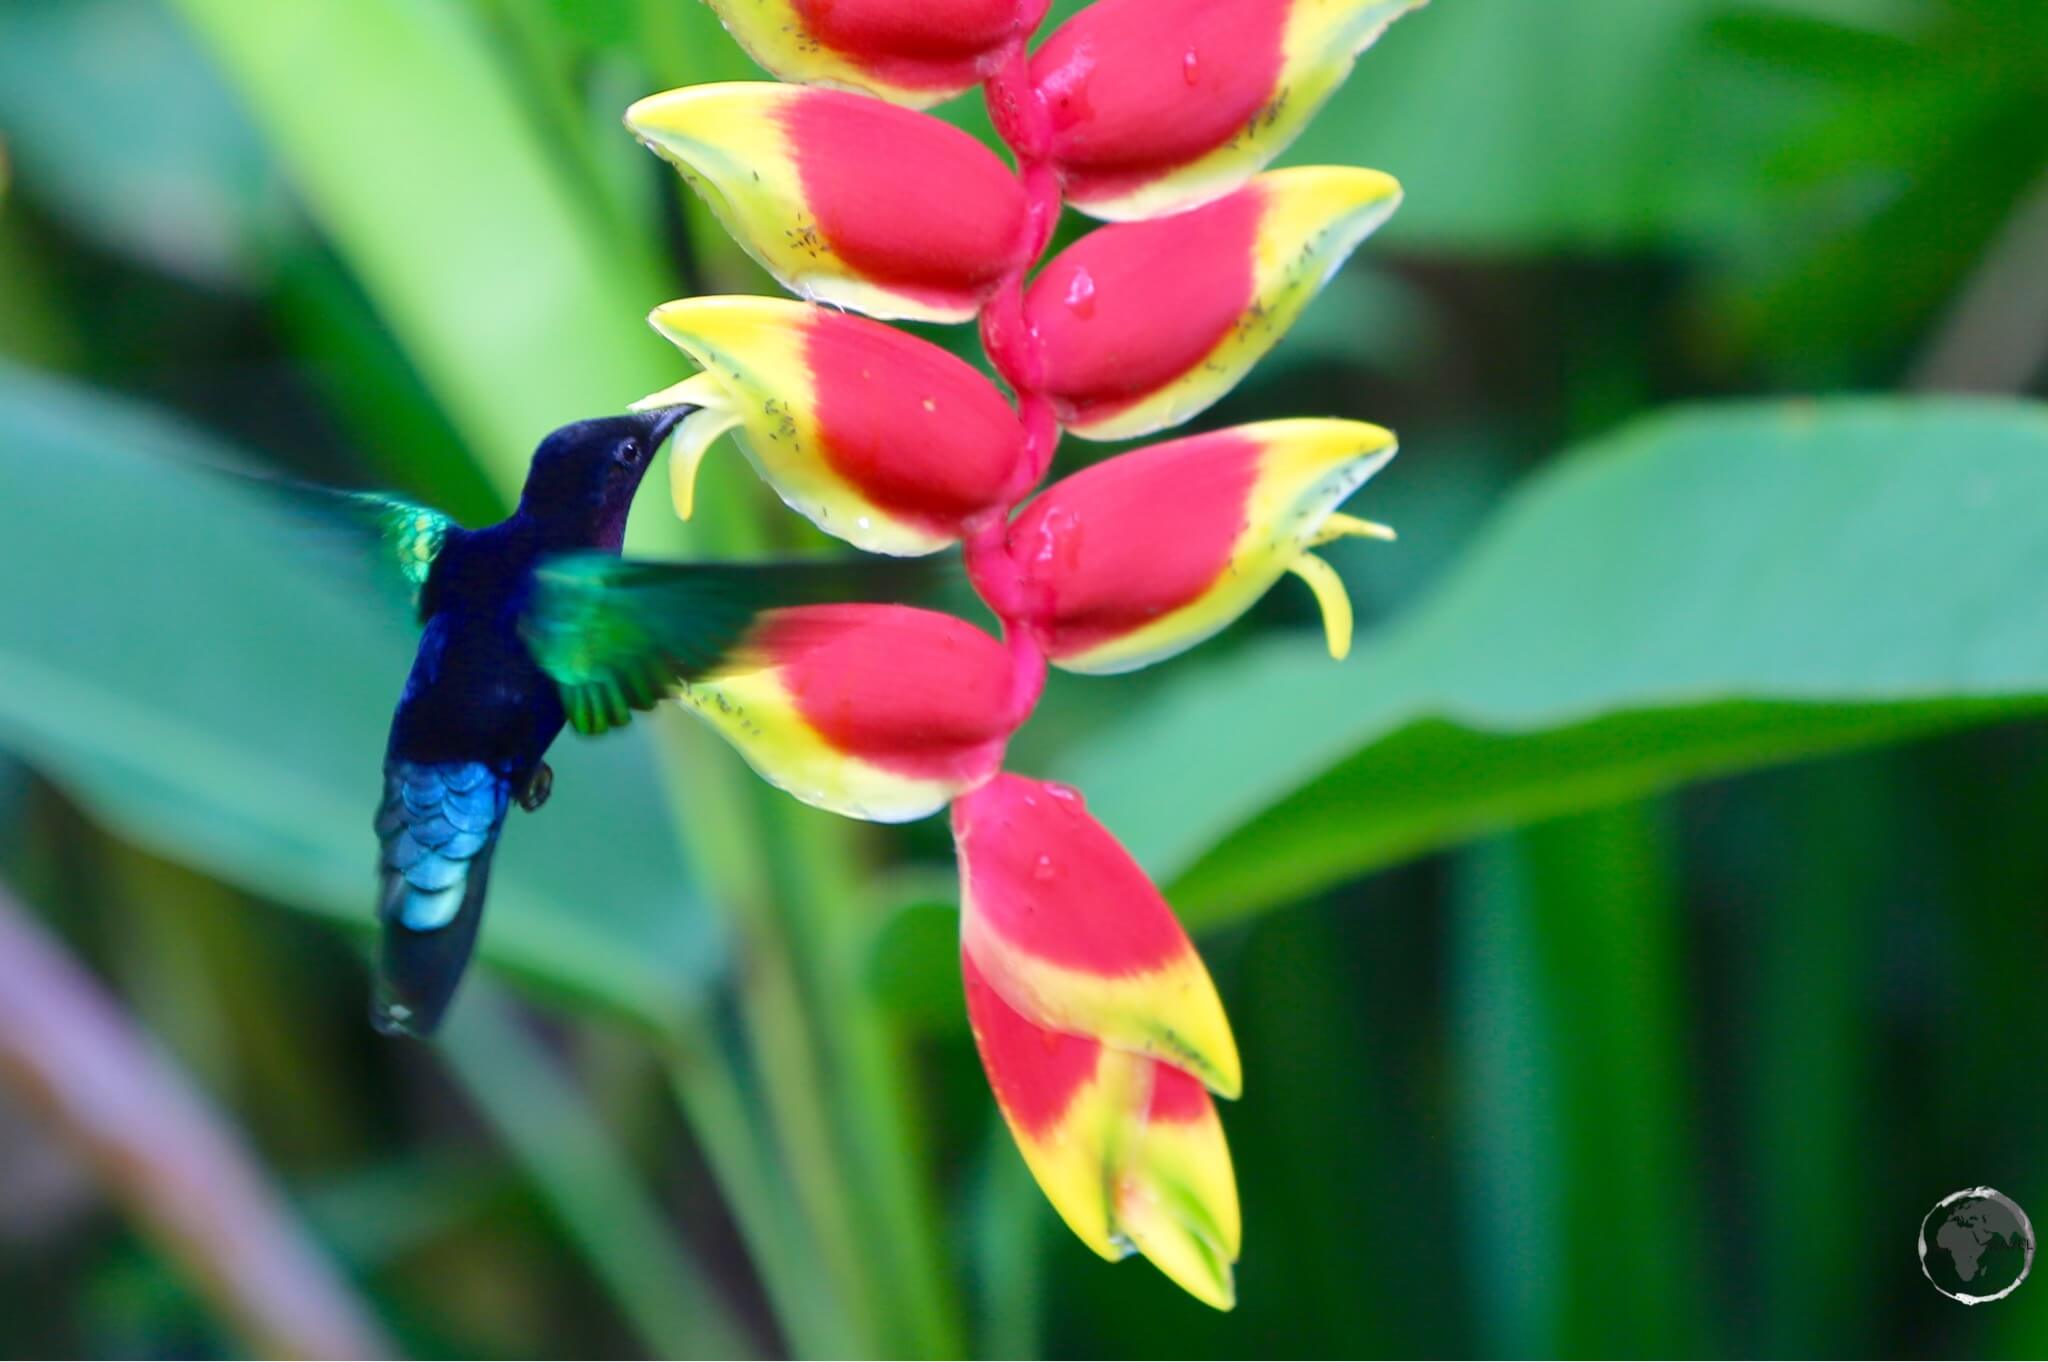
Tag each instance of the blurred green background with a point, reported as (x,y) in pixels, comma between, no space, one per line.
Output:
(1629,944)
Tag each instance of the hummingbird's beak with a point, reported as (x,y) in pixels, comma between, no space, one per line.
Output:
(661,422)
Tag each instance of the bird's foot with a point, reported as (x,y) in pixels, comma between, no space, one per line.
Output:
(537,788)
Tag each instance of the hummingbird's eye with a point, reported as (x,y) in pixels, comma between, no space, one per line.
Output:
(628,453)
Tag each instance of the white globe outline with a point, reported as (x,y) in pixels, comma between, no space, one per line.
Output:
(2027,1239)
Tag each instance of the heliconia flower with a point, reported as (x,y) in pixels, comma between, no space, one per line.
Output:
(1065,925)
(1158,105)
(1128,1150)
(879,438)
(792,173)
(883,712)
(1100,1029)
(913,52)
(1145,555)
(1143,324)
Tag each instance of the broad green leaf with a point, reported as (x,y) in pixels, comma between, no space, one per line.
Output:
(1718,589)
(1527,126)
(166,656)
(118,126)
(514,289)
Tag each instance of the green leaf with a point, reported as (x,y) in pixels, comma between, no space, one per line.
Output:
(517,292)
(1523,126)
(120,128)
(165,657)
(1719,589)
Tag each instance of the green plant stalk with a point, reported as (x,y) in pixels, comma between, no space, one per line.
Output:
(726,832)
(1581,921)
(1811,1065)
(1512,1166)
(1007,1248)
(666,1297)
(739,1143)
(544,50)
(1602,891)
(822,879)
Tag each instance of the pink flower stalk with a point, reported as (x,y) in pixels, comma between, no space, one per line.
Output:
(1099,1028)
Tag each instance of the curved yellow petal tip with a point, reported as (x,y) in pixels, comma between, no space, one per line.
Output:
(1129,1150)
(695,434)
(724,317)
(1330,598)
(1176,1194)
(1341,526)
(1190,1259)
(674,395)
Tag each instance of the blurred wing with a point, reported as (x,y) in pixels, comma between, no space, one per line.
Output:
(396,540)
(617,635)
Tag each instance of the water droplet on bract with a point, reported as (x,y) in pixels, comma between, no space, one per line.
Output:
(865,523)
(1059,538)
(1065,793)
(1045,869)
(1081,294)
(930,405)
(1188,63)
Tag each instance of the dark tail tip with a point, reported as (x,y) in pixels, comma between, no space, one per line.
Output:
(418,971)
(390,1017)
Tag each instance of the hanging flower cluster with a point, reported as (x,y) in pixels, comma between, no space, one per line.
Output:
(1101,1033)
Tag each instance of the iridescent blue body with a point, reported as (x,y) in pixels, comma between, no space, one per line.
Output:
(478,713)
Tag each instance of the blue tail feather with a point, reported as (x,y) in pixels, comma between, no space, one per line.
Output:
(438,826)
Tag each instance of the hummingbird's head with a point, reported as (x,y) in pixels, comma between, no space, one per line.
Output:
(584,475)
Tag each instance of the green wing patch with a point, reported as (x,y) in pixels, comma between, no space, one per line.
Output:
(618,634)
(364,534)
(413,532)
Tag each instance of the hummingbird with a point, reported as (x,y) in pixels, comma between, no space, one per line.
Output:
(527,626)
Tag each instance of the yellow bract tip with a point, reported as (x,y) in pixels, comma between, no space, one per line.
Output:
(708,111)
(694,435)
(1331,598)
(1341,526)
(1190,1259)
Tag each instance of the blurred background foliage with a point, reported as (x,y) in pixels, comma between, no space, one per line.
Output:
(1628,945)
